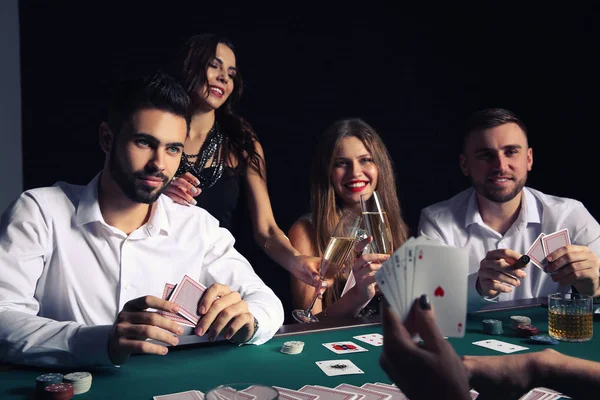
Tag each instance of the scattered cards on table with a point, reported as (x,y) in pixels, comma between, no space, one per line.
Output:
(425,266)
(544,245)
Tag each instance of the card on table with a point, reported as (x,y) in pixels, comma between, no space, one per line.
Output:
(264,392)
(187,295)
(498,345)
(326,393)
(394,392)
(368,393)
(541,394)
(344,347)
(227,393)
(168,290)
(296,394)
(374,339)
(338,367)
(189,395)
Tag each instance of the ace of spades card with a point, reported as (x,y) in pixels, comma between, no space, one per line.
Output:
(441,273)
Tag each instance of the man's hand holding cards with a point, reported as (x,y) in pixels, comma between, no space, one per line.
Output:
(568,264)
(423,266)
(214,310)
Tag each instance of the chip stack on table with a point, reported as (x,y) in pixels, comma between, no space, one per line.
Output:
(492,327)
(45,380)
(517,320)
(82,381)
(294,347)
(59,391)
(526,331)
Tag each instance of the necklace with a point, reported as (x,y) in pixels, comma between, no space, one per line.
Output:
(211,148)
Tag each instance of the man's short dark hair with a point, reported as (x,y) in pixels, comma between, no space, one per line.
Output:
(158,91)
(490,118)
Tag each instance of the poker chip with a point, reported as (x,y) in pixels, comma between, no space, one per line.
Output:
(42,381)
(294,347)
(59,391)
(526,331)
(492,327)
(544,339)
(517,320)
(82,381)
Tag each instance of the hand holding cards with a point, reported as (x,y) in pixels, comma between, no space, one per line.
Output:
(423,266)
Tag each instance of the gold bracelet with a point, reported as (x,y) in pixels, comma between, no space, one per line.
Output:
(272,236)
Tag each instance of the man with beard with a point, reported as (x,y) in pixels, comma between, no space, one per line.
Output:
(499,218)
(84,267)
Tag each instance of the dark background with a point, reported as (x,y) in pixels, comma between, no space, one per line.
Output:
(414,73)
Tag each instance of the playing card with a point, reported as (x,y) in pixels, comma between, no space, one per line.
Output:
(227,393)
(368,393)
(344,347)
(167,291)
(374,339)
(386,287)
(338,367)
(555,241)
(296,394)
(187,295)
(474,394)
(536,252)
(350,282)
(394,392)
(263,392)
(189,395)
(498,345)
(541,394)
(441,273)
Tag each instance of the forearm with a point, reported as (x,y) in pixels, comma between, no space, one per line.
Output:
(348,305)
(575,377)
(32,340)
(278,247)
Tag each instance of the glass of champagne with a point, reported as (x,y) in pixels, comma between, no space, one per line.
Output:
(377,224)
(340,245)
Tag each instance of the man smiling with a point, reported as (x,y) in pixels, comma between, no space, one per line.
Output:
(499,218)
(84,267)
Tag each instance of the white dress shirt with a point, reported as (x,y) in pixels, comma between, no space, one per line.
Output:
(66,273)
(457,222)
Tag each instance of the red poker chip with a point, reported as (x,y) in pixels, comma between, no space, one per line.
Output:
(524,330)
(59,391)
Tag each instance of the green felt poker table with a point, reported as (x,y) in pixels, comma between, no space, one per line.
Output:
(203,366)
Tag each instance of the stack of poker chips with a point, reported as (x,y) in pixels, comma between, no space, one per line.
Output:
(58,391)
(526,331)
(292,347)
(492,327)
(45,380)
(517,320)
(82,381)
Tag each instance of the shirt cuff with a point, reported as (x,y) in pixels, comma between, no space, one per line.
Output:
(90,345)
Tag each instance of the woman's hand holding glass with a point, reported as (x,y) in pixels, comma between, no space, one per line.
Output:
(364,269)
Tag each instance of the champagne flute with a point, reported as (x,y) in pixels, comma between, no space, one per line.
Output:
(377,224)
(340,245)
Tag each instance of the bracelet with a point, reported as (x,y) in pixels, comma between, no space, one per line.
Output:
(266,245)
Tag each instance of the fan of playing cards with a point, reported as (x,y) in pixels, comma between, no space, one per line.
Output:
(546,244)
(425,266)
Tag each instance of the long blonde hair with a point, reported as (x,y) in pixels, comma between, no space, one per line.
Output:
(327,206)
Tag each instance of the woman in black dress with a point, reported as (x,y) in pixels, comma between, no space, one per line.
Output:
(222,153)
